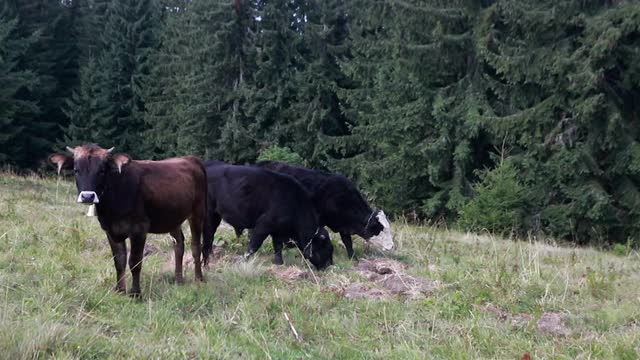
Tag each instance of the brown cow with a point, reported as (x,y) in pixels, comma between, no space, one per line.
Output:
(136,197)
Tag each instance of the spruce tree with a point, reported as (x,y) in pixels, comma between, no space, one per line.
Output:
(563,78)
(413,107)
(130,37)
(51,57)
(117,40)
(196,93)
(315,111)
(15,82)
(89,109)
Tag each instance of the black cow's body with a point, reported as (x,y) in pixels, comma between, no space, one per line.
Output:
(133,198)
(339,204)
(269,204)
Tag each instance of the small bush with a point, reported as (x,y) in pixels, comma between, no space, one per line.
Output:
(499,202)
(283,154)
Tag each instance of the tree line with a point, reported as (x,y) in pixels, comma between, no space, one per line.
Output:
(513,116)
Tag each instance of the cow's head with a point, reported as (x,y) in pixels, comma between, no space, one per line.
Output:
(378,231)
(91,165)
(319,250)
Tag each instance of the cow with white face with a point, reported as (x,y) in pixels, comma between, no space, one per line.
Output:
(133,198)
(340,206)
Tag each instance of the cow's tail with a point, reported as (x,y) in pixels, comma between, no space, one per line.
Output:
(207,241)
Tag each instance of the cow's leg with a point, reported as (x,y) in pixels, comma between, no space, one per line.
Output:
(195,223)
(135,262)
(119,251)
(256,238)
(346,240)
(211,224)
(278,244)
(178,253)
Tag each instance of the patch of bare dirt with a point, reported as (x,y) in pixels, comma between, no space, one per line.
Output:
(381,266)
(217,253)
(150,250)
(170,264)
(384,278)
(390,275)
(290,273)
(411,286)
(521,320)
(552,323)
(590,336)
(518,321)
(498,310)
(364,291)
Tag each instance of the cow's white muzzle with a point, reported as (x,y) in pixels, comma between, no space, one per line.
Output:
(88,197)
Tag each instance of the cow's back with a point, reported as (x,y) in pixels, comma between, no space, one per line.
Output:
(171,190)
(243,194)
(314,181)
(337,200)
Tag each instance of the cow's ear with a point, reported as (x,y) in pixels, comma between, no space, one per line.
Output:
(61,161)
(120,160)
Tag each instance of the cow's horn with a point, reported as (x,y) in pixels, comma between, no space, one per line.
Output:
(70,149)
(110,150)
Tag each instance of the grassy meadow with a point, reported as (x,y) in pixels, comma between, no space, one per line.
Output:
(495,299)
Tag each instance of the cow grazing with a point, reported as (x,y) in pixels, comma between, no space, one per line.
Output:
(339,205)
(133,198)
(269,204)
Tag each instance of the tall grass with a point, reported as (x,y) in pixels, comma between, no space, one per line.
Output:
(56,274)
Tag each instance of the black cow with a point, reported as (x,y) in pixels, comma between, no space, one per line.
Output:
(133,198)
(269,204)
(339,204)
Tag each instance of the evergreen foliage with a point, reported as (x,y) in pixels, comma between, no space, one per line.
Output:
(561,77)
(49,55)
(15,81)
(197,81)
(282,154)
(411,99)
(109,104)
(500,202)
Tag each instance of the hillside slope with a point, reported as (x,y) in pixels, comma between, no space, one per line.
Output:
(442,294)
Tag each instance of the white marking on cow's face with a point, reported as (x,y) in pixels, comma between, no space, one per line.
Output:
(84,195)
(384,240)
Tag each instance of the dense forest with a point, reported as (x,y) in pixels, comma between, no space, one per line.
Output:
(513,116)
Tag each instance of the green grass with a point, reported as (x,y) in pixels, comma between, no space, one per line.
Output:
(56,274)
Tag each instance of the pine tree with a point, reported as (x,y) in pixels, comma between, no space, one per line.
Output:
(130,37)
(15,81)
(412,108)
(51,57)
(90,110)
(89,27)
(563,78)
(315,110)
(195,100)
(117,39)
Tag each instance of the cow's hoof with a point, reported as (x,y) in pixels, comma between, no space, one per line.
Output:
(119,289)
(179,280)
(278,261)
(135,294)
